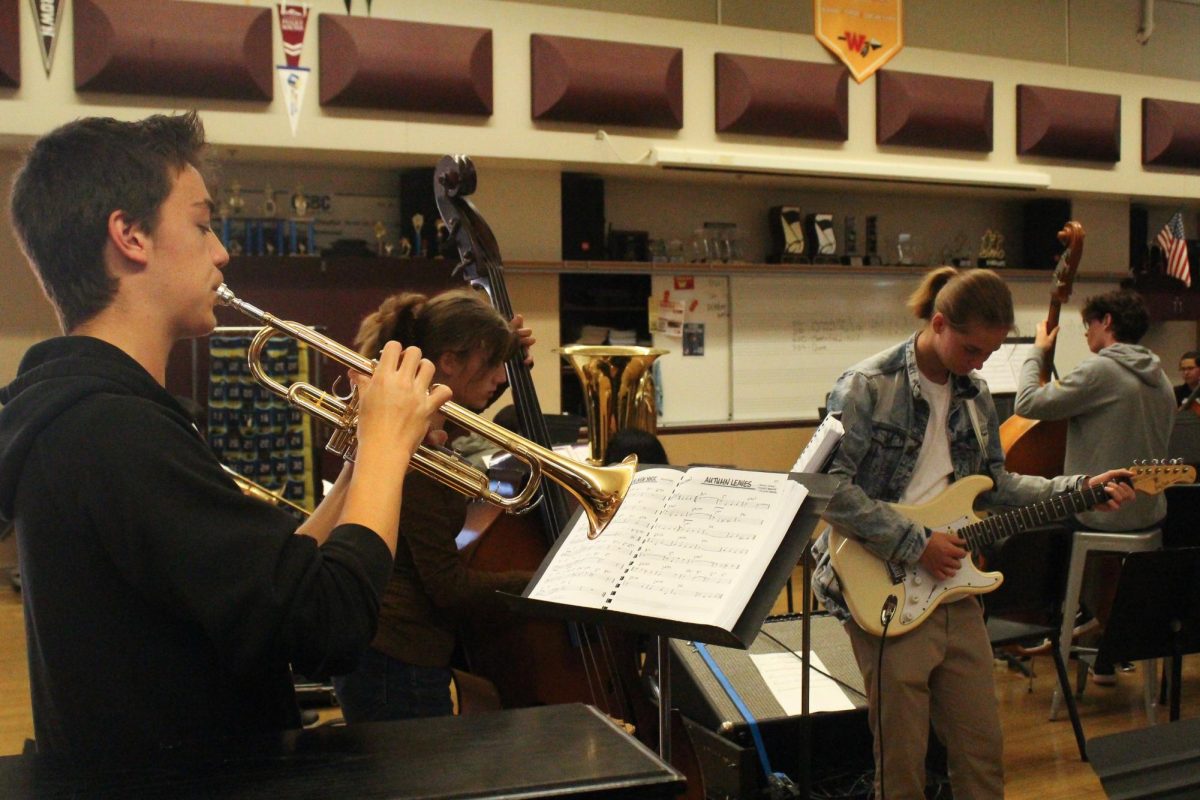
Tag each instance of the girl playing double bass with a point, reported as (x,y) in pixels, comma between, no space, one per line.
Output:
(406,671)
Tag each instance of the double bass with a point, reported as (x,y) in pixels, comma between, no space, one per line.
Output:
(538,662)
(1038,447)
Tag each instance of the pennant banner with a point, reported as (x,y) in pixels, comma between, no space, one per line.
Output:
(293,21)
(864,34)
(48,16)
(293,80)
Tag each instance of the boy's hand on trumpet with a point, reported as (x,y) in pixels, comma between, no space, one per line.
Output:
(397,403)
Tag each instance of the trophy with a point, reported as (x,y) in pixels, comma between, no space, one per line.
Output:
(270,237)
(306,245)
(822,238)
(872,257)
(418,222)
(380,233)
(850,237)
(787,234)
(268,206)
(991,249)
(235,202)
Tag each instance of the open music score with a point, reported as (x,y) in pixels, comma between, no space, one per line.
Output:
(688,546)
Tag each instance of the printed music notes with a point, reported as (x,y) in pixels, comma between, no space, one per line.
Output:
(689,546)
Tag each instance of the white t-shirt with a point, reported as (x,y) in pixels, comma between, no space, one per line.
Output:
(931,474)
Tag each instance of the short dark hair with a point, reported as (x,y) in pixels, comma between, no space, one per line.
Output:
(643,444)
(74,178)
(1130,319)
(1194,355)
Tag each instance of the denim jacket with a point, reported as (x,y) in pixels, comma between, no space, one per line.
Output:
(885,418)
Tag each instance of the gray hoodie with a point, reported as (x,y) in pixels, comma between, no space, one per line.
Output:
(1121,406)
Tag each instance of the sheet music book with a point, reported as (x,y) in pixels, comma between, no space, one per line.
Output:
(821,446)
(1003,367)
(686,546)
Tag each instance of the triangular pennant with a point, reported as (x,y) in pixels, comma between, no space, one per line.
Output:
(293,21)
(864,34)
(293,80)
(47,15)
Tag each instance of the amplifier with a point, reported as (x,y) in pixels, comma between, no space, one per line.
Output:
(839,742)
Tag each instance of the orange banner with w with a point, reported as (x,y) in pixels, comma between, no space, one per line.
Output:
(864,34)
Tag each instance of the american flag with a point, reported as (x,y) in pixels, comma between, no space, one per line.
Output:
(1174,247)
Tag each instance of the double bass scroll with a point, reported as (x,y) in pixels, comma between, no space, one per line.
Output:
(1038,447)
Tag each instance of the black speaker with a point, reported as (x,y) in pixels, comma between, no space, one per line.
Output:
(839,742)
(582,217)
(1139,239)
(1043,220)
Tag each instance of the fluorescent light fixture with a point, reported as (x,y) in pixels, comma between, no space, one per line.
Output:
(834,167)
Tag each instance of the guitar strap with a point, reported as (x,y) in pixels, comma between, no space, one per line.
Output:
(974,412)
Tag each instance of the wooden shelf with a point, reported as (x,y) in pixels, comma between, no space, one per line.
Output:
(721,268)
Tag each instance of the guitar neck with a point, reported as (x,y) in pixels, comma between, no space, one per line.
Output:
(1009,523)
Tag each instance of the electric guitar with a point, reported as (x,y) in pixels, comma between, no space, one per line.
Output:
(875,589)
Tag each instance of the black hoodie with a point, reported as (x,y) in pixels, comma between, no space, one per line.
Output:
(161,605)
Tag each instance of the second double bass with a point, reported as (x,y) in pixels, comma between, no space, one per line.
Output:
(1037,447)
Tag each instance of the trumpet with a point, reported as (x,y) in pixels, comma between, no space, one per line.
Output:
(599,490)
(259,492)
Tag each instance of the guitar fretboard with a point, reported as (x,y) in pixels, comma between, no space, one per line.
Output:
(1010,523)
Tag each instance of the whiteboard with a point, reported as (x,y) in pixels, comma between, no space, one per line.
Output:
(693,378)
(792,336)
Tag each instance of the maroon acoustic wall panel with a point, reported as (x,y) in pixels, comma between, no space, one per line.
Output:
(170,48)
(1170,133)
(777,97)
(368,62)
(10,43)
(606,83)
(1063,123)
(933,111)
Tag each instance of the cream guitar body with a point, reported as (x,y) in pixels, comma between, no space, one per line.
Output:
(875,588)
(868,580)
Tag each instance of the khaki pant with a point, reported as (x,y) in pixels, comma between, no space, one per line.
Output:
(939,673)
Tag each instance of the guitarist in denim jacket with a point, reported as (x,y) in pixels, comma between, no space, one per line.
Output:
(896,449)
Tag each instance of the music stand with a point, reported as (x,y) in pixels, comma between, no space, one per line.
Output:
(1156,613)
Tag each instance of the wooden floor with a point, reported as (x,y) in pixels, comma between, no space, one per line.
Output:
(1040,758)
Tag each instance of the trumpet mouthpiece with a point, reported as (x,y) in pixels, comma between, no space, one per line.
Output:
(225,295)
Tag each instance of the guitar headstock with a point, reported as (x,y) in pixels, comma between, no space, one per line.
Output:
(1152,477)
(1068,263)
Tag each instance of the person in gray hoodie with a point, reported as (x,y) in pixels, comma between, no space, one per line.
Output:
(1120,407)
(1118,402)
